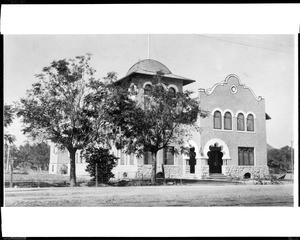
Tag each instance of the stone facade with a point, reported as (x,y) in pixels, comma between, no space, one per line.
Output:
(173,171)
(240,171)
(144,172)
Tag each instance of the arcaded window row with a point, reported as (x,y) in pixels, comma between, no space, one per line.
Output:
(227,121)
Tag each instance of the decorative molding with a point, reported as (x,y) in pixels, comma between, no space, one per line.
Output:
(144,85)
(228,110)
(216,109)
(221,143)
(250,113)
(163,85)
(209,91)
(240,111)
(173,86)
(150,83)
(191,143)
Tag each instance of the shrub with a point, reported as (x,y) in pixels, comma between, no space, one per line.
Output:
(105,162)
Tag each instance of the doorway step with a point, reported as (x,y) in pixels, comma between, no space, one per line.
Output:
(218,176)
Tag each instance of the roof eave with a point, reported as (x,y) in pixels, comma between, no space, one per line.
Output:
(185,81)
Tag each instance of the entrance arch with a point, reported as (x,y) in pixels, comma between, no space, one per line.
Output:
(221,143)
(215,161)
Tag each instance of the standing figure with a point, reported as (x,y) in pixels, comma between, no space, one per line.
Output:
(192,161)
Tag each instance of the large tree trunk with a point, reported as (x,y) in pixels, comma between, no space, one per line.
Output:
(72,167)
(153,173)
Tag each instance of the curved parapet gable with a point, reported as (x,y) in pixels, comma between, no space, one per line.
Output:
(209,91)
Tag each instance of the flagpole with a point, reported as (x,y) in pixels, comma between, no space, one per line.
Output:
(148,46)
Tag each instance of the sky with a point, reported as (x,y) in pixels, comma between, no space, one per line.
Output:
(265,63)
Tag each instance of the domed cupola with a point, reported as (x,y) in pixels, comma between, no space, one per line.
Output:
(149,65)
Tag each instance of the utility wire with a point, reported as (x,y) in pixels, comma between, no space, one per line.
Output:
(244,44)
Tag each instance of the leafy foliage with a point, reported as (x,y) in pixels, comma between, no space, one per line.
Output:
(161,119)
(9,114)
(279,160)
(34,156)
(59,107)
(103,159)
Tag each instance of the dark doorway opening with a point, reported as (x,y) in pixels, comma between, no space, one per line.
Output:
(192,161)
(215,161)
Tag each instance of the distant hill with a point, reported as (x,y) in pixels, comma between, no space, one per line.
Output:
(269,147)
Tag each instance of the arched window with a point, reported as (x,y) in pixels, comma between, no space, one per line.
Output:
(147,89)
(217,120)
(172,91)
(240,122)
(250,123)
(228,121)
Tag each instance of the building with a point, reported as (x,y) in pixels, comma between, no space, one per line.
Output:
(232,140)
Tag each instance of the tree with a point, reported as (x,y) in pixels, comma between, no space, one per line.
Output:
(279,160)
(59,107)
(163,118)
(100,163)
(34,156)
(288,152)
(9,139)
(9,115)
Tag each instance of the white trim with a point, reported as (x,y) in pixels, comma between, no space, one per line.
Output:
(148,82)
(213,115)
(209,91)
(135,88)
(216,109)
(228,110)
(254,122)
(249,112)
(173,86)
(236,122)
(232,117)
(225,149)
(163,85)
(191,143)
(246,132)
(223,130)
(240,111)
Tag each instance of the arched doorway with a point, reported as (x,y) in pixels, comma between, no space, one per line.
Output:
(192,161)
(215,161)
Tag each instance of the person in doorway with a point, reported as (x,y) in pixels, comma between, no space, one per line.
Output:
(192,160)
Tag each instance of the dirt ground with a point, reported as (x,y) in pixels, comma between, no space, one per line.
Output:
(152,196)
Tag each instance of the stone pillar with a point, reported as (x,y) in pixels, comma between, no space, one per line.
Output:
(204,167)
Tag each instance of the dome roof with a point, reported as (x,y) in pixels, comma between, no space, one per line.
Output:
(149,65)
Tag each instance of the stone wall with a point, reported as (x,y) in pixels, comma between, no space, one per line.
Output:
(187,169)
(204,171)
(173,171)
(144,172)
(239,171)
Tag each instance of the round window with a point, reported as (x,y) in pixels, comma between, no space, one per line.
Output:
(233,89)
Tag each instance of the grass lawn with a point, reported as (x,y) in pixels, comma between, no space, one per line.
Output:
(152,196)
(42,179)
